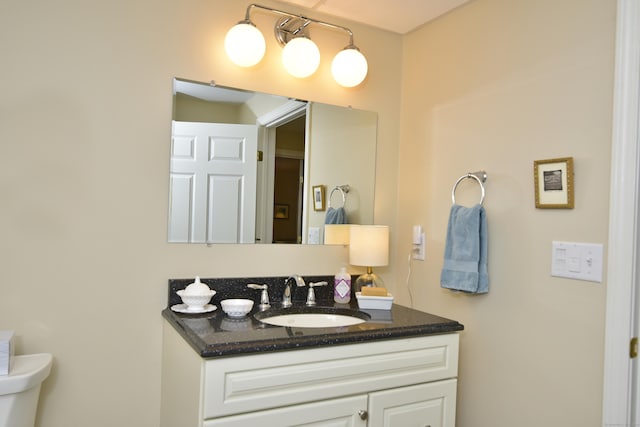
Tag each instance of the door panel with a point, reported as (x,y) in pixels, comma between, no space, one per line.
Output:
(213,165)
(432,405)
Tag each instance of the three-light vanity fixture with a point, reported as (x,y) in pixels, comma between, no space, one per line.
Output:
(245,45)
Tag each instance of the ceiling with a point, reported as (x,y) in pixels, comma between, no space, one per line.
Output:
(210,92)
(398,16)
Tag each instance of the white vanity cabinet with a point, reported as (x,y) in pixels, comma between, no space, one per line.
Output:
(399,382)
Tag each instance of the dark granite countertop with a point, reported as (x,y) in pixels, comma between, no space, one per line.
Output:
(215,334)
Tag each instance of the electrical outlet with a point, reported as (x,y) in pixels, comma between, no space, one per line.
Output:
(418,243)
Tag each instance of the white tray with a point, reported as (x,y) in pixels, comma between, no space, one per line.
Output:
(375,303)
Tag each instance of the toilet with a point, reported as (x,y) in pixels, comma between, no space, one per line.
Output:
(19,391)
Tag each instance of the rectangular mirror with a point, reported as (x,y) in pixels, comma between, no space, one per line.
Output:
(244,165)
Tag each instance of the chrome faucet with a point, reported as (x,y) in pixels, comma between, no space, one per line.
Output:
(311,296)
(286,296)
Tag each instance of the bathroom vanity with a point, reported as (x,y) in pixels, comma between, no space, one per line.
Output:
(398,367)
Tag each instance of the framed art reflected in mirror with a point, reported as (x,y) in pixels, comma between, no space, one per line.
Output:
(319,197)
(281,211)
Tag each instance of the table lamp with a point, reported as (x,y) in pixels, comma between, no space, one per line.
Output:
(368,247)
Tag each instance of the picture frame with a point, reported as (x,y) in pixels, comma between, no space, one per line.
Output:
(281,211)
(319,197)
(554,183)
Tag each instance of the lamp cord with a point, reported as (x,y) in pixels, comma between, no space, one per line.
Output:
(408,281)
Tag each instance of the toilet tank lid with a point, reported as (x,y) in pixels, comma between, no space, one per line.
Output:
(26,371)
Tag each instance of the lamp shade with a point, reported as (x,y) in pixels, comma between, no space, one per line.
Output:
(349,67)
(301,57)
(336,234)
(244,44)
(369,245)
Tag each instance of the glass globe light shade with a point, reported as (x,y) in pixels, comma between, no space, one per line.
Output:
(349,67)
(244,44)
(301,57)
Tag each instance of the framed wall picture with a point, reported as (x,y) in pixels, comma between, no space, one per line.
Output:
(553,180)
(318,197)
(281,211)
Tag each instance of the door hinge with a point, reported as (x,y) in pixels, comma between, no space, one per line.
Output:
(633,348)
(260,155)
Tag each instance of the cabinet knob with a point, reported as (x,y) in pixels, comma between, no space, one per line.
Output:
(363,414)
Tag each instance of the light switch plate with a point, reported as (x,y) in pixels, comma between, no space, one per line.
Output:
(581,261)
(313,237)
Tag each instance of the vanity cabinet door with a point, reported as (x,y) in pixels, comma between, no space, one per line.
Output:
(424,405)
(342,412)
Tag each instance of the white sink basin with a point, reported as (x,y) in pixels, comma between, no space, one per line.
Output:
(312,318)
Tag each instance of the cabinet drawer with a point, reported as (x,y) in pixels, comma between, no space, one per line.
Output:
(249,383)
(330,413)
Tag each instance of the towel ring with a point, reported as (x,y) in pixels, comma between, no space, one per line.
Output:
(480,177)
(343,189)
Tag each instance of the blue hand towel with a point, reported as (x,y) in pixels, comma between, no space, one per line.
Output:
(465,254)
(336,216)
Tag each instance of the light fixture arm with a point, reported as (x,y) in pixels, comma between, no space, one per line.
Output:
(301,21)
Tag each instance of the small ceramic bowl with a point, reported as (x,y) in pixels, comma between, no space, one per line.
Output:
(236,307)
(195,301)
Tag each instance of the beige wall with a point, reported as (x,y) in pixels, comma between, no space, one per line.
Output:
(190,109)
(84,126)
(496,85)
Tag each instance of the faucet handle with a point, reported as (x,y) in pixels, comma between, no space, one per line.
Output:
(311,296)
(264,297)
(313,285)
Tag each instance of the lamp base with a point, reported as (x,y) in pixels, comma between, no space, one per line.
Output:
(368,279)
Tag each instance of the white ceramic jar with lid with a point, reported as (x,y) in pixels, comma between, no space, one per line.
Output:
(196,295)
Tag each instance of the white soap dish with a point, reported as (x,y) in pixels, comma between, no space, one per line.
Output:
(374,302)
(184,308)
